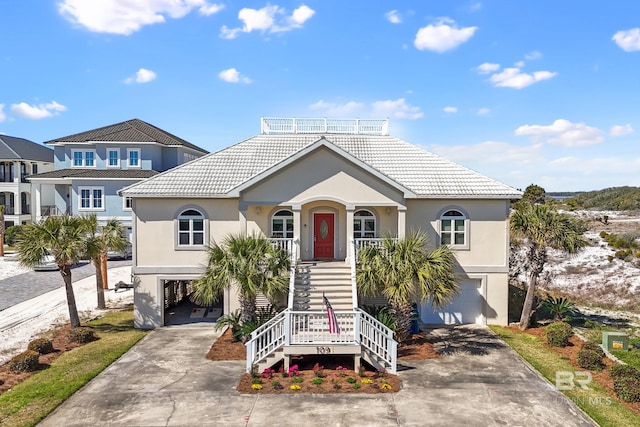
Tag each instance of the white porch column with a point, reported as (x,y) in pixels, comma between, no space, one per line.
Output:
(402,221)
(350,211)
(297,229)
(37,202)
(17,204)
(242,217)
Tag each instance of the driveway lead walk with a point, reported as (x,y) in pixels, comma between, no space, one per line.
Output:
(166,381)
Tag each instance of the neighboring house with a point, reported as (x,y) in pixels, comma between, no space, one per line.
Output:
(91,166)
(19,159)
(322,188)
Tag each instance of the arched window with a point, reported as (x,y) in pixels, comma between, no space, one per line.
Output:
(364,225)
(282,224)
(453,228)
(190,228)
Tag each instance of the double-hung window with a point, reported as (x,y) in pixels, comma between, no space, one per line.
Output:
(91,198)
(113,158)
(453,228)
(364,225)
(282,225)
(134,157)
(83,158)
(127,203)
(190,228)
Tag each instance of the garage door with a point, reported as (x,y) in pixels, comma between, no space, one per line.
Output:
(465,308)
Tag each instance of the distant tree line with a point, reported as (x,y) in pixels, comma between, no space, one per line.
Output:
(614,199)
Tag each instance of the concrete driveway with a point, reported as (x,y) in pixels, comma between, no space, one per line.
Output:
(166,381)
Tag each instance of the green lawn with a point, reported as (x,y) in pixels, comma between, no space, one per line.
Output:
(604,409)
(30,401)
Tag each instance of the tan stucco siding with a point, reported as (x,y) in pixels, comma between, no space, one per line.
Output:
(322,174)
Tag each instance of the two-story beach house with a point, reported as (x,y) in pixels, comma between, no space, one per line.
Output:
(19,159)
(91,166)
(322,188)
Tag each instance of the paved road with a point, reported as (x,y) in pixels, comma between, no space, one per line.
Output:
(25,286)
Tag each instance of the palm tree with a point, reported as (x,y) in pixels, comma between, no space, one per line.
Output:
(62,237)
(250,263)
(100,240)
(1,230)
(540,227)
(406,272)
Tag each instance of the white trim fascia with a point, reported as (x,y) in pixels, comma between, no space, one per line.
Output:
(321,142)
(472,269)
(168,269)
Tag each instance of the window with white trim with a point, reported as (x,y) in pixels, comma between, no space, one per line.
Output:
(453,229)
(190,228)
(91,198)
(113,158)
(364,225)
(134,157)
(282,224)
(83,158)
(127,202)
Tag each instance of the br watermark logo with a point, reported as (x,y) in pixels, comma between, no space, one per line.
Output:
(567,380)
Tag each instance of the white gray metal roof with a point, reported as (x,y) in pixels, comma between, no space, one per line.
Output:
(423,173)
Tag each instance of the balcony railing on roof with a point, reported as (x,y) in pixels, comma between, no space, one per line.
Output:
(284,126)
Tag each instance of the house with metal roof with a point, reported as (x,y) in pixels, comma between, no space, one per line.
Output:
(19,159)
(91,166)
(322,188)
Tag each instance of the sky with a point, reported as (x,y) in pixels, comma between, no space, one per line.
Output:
(526,92)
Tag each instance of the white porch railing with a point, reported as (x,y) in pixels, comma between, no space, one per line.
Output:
(352,263)
(282,243)
(284,125)
(312,327)
(362,243)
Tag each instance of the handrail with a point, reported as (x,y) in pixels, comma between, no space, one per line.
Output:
(378,339)
(352,263)
(264,335)
(292,273)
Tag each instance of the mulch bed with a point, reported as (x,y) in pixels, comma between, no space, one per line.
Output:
(61,344)
(570,353)
(334,380)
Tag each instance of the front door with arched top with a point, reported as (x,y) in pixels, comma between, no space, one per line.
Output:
(323,236)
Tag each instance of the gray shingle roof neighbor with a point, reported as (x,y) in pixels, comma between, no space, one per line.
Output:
(423,173)
(134,130)
(12,148)
(95,173)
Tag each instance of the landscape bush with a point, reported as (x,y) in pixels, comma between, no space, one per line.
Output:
(26,361)
(590,356)
(558,334)
(41,345)
(11,234)
(82,335)
(626,382)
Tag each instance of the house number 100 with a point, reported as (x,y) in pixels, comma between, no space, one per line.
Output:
(323,350)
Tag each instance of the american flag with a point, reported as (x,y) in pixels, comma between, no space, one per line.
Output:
(333,321)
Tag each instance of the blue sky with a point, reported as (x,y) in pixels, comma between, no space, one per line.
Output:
(542,92)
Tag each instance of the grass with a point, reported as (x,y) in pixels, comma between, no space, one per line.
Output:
(32,400)
(601,407)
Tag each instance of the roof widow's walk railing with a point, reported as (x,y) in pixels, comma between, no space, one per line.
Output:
(284,126)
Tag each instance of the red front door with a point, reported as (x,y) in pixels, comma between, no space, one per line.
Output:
(323,235)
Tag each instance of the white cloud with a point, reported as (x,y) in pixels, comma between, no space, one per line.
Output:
(483,111)
(628,40)
(264,20)
(3,116)
(514,78)
(474,7)
(398,109)
(563,132)
(125,16)
(333,109)
(533,55)
(490,152)
(450,109)
(442,36)
(519,64)
(141,76)
(232,75)
(487,68)
(620,130)
(393,16)
(36,112)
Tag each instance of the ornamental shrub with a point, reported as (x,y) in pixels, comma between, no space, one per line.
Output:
(558,334)
(82,335)
(626,382)
(41,345)
(26,361)
(590,356)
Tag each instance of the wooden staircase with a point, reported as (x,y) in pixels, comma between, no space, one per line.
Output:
(333,278)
